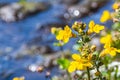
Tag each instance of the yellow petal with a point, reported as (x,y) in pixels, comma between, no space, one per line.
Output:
(89,64)
(118,50)
(67,28)
(112,53)
(106,39)
(98,28)
(115,6)
(53,30)
(65,40)
(102,40)
(91,24)
(80,67)
(71,68)
(107,45)
(105,16)
(15,78)
(60,35)
(102,27)
(76,57)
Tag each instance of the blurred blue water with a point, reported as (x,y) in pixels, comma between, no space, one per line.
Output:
(16,34)
(11,1)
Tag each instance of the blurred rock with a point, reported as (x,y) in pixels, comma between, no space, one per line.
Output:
(84,8)
(43,32)
(50,24)
(50,60)
(8,12)
(70,2)
(66,2)
(17,11)
(78,11)
(32,50)
(3,4)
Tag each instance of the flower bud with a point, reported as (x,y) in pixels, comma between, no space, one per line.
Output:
(80,31)
(89,32)
(97,73)
(93,47)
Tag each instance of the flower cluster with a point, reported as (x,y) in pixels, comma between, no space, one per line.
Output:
(83,60)
(108,49)
(87,56)
(80,62)
(95,27)
(62,35)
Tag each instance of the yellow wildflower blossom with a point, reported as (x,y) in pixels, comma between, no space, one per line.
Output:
(107,40)
(94,27)
(18,78)
(110,50)
(64,35)
(80,63)
(115,6)
(105,16)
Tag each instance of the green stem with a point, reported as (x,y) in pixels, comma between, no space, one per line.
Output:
(109,75)
(69,75)
(100,76)
(116,72)
(79,78)
(88,73)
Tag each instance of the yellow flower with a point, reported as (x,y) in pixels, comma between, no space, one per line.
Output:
(54,30)
(80,63)
(115,6)
(107,40)
(18,78)
(64,35)
(105,16)
(110,50)
(94,27)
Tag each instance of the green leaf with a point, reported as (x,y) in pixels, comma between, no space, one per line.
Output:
(22,1)
(63,63)
(116,26)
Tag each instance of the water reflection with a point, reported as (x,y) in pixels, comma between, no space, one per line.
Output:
(19,36)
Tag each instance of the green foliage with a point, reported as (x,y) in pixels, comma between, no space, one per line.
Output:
(116,26)
(63,63)
(22,1)
(116,44)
